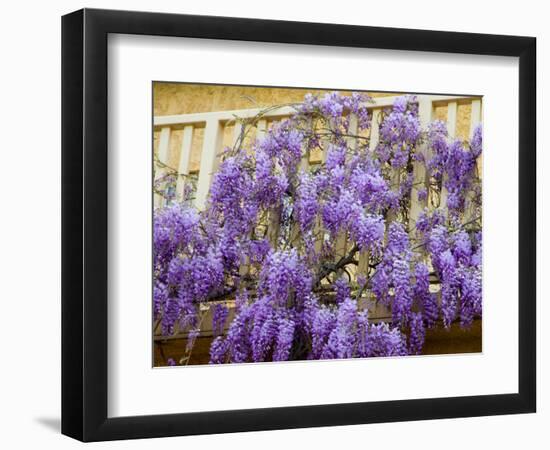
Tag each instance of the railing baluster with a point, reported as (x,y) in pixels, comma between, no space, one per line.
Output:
(342,237)
(363,265)
(244,267)
(273,226)
(213,135)
(376,310)
(475,120)
(185,158)
(341,246)
(374,129)
(237,130)
(421,179)
(295,230)
(353,130)
(261,128)
(319,222)
(452,108)
(163,155)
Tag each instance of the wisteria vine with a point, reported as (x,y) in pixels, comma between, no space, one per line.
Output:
(290,257)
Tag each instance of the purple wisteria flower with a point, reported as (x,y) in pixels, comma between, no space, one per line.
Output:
(400,132)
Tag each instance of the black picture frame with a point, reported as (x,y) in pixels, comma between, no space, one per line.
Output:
(85,236)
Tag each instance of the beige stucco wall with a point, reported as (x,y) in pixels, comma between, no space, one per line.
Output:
(183,98)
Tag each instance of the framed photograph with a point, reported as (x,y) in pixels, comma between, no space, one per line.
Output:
(273,225)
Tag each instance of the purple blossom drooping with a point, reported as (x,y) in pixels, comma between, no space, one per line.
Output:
(427,301)
(340,343)
(400,131)
(402,304)
(219,317)
(285,336)
(417,334)
(449,303)
(307,205)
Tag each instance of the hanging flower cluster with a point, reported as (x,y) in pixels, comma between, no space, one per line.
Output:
(290,257)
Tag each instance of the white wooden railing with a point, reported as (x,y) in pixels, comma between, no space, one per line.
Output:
(214,124)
